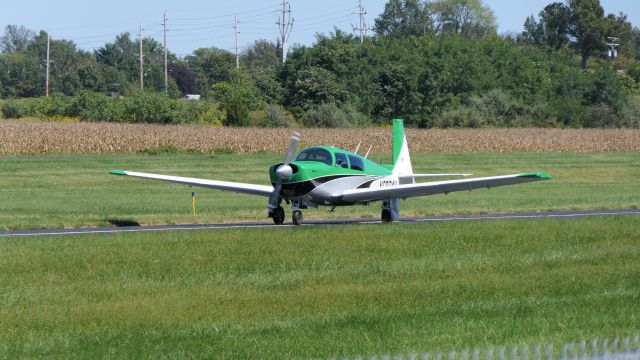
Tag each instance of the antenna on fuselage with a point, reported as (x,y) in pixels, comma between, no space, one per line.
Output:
(368,151)
(357,148)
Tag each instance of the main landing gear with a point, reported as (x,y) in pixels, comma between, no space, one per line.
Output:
(390,210)
(386,216)
(278,216)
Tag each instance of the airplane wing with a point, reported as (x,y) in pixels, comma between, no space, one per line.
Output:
(251,189)
(438,187)
(408,176)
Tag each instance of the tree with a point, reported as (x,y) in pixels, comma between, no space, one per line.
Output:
(316,85)
(16,38)
(239,87)
(262,54)
(555,20)
(588,27)
(185,78)
(403,18)
(532,33)
(210,66)
(467,18)
(123,54)
(21,76)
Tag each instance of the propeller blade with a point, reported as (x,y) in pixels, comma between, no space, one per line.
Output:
(285,171)
(293,146)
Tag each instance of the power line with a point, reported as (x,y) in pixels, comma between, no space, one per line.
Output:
(227,15)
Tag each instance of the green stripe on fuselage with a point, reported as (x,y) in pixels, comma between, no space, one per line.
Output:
(308,170)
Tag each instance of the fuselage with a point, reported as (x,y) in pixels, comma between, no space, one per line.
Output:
(322,173)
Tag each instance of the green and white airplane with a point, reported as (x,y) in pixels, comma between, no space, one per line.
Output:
(328,176)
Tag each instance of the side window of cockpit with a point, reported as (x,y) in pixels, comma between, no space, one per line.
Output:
(341,160)
(356,163)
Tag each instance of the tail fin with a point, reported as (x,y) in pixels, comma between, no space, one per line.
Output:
(401,159)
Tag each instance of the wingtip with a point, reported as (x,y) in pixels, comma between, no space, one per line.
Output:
(540,175)
(117,172)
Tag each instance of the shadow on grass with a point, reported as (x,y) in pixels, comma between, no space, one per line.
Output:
(123,222)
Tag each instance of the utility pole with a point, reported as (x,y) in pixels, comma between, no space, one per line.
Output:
(48,63)
(235,30)
(613,44)
(141,61)
(285,23)
(166,72)
(363,27)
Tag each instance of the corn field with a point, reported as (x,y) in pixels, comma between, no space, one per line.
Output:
(35,137)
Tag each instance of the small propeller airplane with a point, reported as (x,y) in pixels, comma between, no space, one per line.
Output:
(328,176)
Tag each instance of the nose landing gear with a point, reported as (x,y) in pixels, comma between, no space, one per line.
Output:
(297,217)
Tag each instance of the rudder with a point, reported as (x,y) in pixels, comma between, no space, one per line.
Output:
(400,158)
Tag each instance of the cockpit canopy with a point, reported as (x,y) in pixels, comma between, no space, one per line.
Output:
(315,154)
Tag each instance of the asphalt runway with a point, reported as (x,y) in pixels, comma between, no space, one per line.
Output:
(266,224)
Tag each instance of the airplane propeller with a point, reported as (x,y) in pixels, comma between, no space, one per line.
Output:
(283,171)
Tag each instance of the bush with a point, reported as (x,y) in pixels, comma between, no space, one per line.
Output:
(634,72)
(11,110)
(237,112)
(629,113)
(54,107)
(326,116)
(200,112)
(139,106)
(493,109)
(276,116)
(92,106)
(461,117)
(601,116)
(149,107)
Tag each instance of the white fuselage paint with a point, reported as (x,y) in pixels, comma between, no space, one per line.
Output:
(330,193)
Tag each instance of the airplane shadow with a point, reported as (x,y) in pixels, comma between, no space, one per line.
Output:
(123,222)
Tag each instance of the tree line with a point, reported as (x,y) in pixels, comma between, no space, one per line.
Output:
(437,63)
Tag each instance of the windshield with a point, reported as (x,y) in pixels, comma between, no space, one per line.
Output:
(315,154)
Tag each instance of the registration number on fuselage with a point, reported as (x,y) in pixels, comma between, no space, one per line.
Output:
(386,182)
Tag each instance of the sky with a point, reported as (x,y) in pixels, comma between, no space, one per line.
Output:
(206,23)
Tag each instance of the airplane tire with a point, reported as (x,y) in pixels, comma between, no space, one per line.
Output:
(278,215)
(386,216)
(297,217)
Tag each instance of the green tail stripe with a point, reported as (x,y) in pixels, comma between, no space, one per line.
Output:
(540,175)
(117,172)
(398,139)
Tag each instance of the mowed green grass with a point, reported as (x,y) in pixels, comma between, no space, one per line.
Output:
(76,191)
(317,292)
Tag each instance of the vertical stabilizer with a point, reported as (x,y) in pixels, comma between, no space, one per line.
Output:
(401,159)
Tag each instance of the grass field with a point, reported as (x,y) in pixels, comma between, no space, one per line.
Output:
(319,292)
(76,191)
